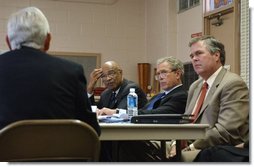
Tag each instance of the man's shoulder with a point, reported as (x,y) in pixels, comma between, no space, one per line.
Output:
(130,83)
(195,83)
(180,90)
(41,57)
(63,61)
(127,84)
(106,92)
(228,79)
(232,76)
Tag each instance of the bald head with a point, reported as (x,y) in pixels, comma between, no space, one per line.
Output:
(111,65)
(112,75)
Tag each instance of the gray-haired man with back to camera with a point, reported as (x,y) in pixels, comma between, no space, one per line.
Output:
(35,85)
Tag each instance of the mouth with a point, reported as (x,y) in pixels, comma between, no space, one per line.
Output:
(197,65)
(110,84)
(162,84)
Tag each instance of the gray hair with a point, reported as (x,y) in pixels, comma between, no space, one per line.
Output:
(27,27)
(174,62)
(212,45)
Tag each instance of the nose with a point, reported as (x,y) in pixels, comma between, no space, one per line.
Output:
(108,77)
(160,78)
(194,58)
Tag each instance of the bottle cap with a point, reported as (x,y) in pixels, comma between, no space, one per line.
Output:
(132,89)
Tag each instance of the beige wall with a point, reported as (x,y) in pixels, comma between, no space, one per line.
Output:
(129,31)
(160,30)
(188,22)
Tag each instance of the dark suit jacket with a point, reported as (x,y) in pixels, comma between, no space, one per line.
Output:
(173,103)
(121,97)
(35,85)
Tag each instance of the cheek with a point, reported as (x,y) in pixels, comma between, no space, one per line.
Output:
(207,63)
(207,59)
(165,84)
(105,83)
(116,82)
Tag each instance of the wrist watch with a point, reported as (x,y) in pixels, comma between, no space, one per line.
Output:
(117,111)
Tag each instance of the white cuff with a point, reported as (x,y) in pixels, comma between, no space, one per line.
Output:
(89,95)
(192,147)
(173,142)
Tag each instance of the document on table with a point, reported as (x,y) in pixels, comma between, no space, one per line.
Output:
(113,118)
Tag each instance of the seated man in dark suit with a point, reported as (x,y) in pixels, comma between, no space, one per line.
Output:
(172,100)
(35,85)
(112,76)
(117,88)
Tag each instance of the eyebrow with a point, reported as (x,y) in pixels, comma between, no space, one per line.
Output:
(108,72)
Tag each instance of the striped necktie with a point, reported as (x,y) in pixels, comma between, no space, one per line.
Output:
(112,101)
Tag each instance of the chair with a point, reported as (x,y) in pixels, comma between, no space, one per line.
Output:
(49,140)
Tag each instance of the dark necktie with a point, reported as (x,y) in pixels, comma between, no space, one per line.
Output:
(112,101)
(158,97)
(200,101)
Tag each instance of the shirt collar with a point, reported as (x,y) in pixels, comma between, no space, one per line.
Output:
(116,91)
(212,78)
(168,91)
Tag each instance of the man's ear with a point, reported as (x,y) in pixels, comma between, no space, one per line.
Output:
(47,42)
(8,41)
(178,74)
(217,55)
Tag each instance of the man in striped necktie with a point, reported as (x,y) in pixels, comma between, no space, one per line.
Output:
(173,97)
(171,100)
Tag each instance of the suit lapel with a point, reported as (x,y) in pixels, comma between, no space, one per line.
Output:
(120,93)
(195,96)
(165,98)
(212,90)
(107,99)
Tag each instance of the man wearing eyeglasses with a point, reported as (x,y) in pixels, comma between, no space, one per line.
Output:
(112,77)
(113,98)
(172,100)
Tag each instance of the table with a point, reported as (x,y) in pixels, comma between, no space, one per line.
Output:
(162,132)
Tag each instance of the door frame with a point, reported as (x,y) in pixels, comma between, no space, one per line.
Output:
(234,8)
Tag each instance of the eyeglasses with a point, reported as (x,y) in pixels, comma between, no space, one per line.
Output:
(111,74)
(162,74)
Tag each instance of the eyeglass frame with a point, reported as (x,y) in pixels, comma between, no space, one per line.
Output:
(162,74)
(111,74)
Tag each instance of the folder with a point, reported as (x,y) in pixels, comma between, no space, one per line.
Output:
(162,119)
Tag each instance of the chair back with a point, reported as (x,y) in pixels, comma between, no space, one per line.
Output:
(49,140)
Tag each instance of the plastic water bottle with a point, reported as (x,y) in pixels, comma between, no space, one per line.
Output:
(132,103)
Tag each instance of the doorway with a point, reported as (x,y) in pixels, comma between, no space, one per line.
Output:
(224,24)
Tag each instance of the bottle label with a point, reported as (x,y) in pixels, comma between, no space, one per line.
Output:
(132,106)
(132,102)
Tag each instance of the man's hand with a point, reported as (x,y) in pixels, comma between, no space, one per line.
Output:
(171,150)
(187,149)
(241,145)
(106,111)
(94,76)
